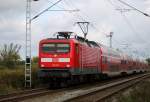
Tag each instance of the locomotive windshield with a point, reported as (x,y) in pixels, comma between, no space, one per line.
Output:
(55,48)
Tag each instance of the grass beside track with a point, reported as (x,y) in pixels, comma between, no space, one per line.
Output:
(13,79)
(140,93)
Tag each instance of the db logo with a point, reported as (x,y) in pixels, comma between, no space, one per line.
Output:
(55,65)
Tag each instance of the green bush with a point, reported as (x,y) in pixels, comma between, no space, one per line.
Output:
(10,79)
(13,79)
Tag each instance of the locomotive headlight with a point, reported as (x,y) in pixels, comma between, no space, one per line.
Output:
(67,65)
(64,59)
(46,59)
(42,65)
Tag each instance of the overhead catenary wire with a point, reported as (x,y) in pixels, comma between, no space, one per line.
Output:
(59,6)
(134,8)
(62,8)
(45,10)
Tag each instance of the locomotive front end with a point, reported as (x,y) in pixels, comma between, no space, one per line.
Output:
(55,58)
(55,55)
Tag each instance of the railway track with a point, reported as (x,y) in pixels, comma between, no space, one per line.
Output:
(98,94)
(72,94)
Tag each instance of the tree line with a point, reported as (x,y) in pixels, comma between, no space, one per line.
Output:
(10,57)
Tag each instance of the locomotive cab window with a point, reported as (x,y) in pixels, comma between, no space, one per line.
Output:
(55,48)
(62,48)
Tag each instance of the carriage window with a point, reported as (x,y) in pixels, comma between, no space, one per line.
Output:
(55,48)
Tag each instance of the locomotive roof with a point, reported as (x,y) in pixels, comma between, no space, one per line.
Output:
(71,35)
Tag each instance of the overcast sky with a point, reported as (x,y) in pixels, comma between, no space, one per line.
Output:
(130,27)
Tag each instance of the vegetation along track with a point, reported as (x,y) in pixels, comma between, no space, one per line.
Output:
(98,94)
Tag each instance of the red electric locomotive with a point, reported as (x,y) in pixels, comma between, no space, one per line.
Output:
(67,58)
